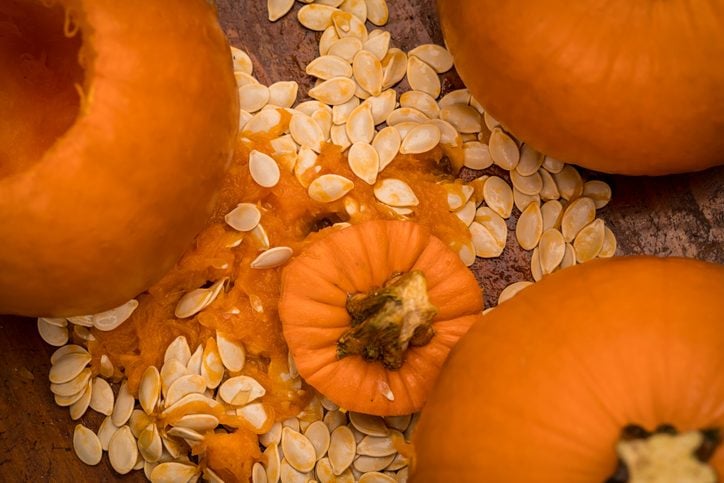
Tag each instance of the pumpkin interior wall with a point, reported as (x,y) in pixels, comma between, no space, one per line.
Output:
(38,72)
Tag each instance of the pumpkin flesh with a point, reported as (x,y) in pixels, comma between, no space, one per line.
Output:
(568,363)
(97,207)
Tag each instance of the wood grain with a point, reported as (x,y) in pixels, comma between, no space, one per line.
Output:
(675,215)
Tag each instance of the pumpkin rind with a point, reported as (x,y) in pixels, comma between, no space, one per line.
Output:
(357,259)
(620,87)
(560,369)
(118,197)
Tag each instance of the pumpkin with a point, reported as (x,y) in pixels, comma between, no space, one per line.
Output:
(119,120)
(544,387)
(371,311)
(621,87)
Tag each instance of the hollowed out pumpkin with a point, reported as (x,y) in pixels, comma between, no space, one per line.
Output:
(118,120)
(541,390)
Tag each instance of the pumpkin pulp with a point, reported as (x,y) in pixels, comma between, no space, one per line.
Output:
(388,320)
(39,72)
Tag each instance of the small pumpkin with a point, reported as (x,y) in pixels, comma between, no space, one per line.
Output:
(545,387)
(118,121)
(621,87)
(371,311)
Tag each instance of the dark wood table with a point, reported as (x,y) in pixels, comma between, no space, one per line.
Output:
(673,216)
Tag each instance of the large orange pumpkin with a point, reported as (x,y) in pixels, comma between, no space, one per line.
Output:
(542,388)
(350,297)
(621,87)
(118,120)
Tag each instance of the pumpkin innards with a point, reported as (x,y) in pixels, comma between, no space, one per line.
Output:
(304,330)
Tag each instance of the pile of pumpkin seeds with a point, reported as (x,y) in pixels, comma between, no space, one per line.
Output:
(353,105)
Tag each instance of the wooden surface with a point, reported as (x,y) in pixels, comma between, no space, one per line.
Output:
(676,215)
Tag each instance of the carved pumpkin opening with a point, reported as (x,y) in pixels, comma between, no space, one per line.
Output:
(40,75)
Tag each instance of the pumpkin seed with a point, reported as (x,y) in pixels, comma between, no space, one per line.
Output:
(521,201)
(283,93)
(377,12)
(339,137)
(86,445)
(422,77)
(200,423)
(342,448)
(368,464)
(381,106)
(466,214)
(457,195)
(334,91)
(378,45)
(498,196)
(358,8)
(404,128)
(305,167)
(68,367)
(364,162)
(387,143)
(486,246)
(244,217)
(422,102)
(435,56)
(549,189)
(551,211)
(212,369)
(252,97)
(323,118)
(464,118)
(368,424)
(124,406)
(243,79)
(110,319)
(65,350)
(194,364)
(420,139)
(530,161)
(298,450)
(368,72)
(106,430)
(395,192)
(490,122)
(529,228)
(101,397)
(535,268)
(83,333)
(170,371)
(211,477)
(240,390)
(122,450)
(272,463)
(608,249)
(569,182)
(552,165)
(276,9)
(310,107)
(345,48)
(178,349)
(398,463)
(316,17)
(405,114)
(70,400)
(233,354)
(52,334)
(329,187)
(255,414)
(494,223)
(288,474)
(241,61)
(264,169)
(578,214)
(318,434)
(325,41)
(258,473)
(360,124)
(72,387)
(197,300)
(589,241)
(259,236)
(324,472)
(598,191)
(529,185)
(395,68)
(476,155)
(193,400)
(188,435)
(334,419)
(341,113)
(172,472)
(458,96)
(347,25)
(377,446)
(512,290)
(263,122)
(503,150)
(475,104)
(183,386)
(149,444)
(401,475)
(138,421)
(106,367)
(329,66)
(552,249)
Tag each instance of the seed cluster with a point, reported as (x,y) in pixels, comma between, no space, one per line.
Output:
(354,106)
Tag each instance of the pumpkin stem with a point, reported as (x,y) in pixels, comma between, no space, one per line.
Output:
(665,455)
(386,321)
